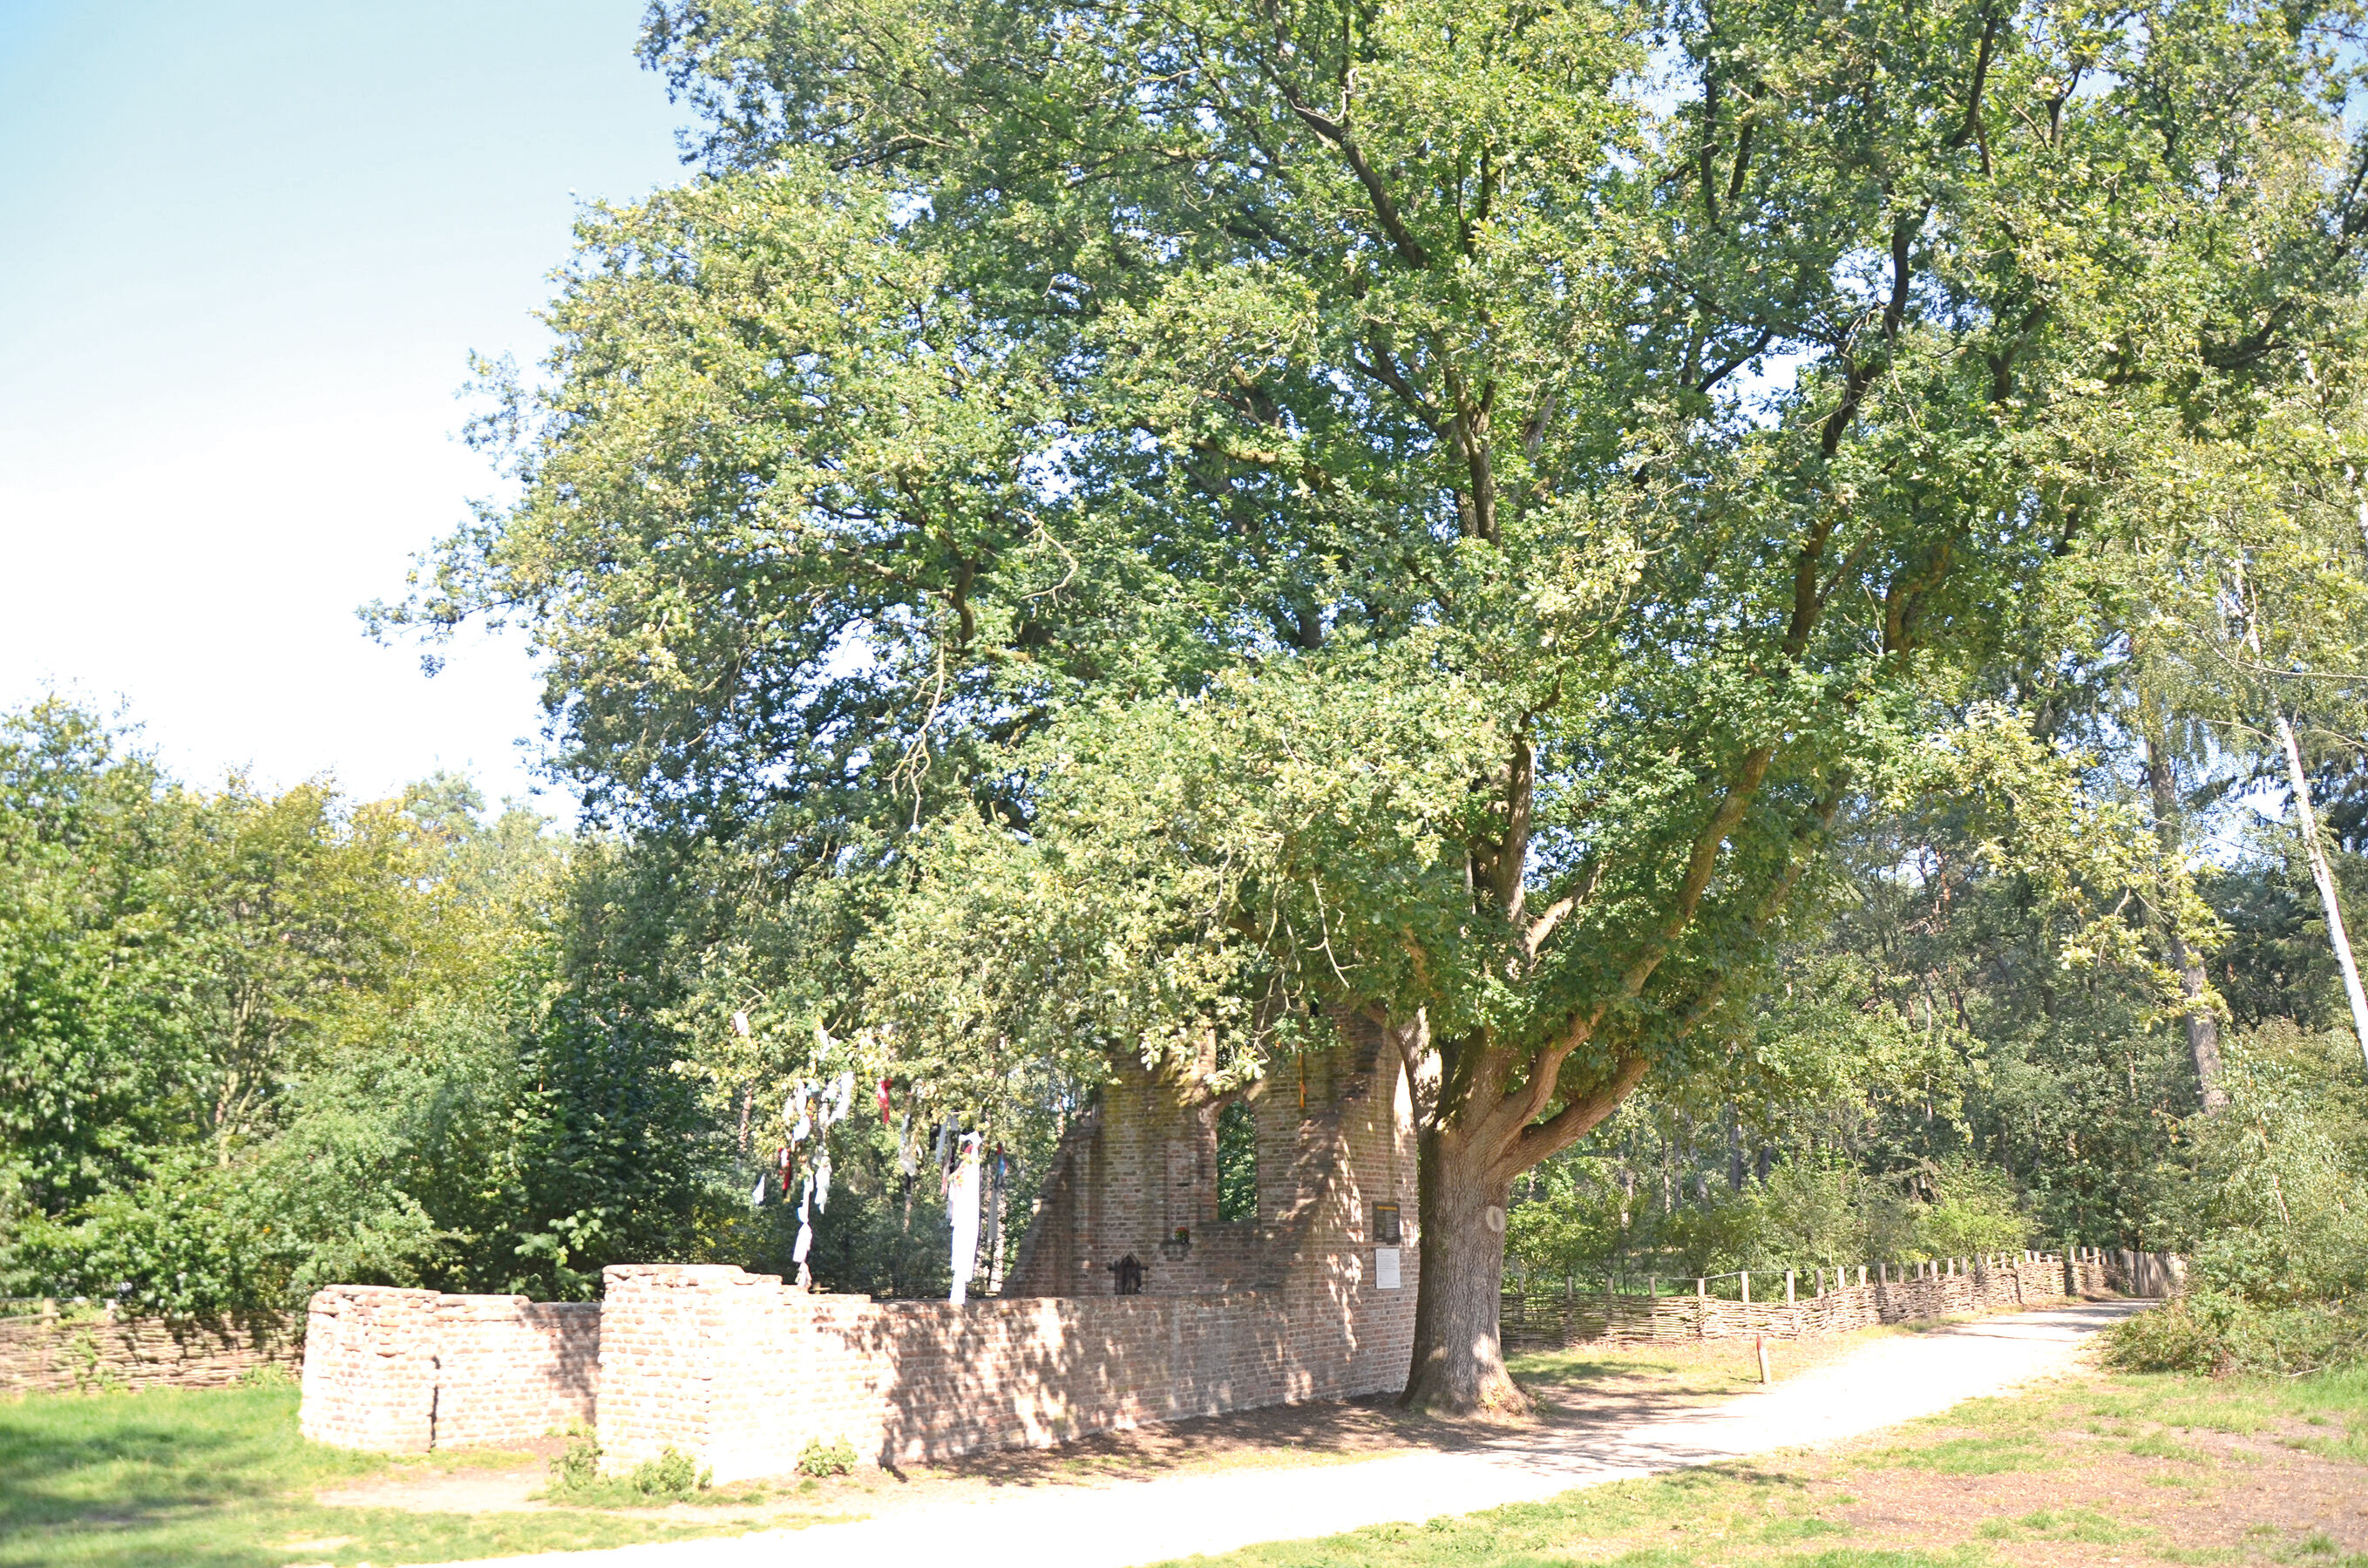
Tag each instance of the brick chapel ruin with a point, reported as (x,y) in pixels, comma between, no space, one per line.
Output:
(1310,1298)
(1136,1298)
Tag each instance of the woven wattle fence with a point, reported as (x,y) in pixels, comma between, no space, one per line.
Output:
(1809,1302)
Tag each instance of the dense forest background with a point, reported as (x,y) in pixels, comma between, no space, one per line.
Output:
(257,1042)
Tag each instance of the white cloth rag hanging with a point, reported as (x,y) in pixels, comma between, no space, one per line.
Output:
(805,1231)
(961,1205)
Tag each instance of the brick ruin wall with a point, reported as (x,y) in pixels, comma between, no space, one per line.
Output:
(49,1353)
(1334,1142)
(741,1371)
(405,1371)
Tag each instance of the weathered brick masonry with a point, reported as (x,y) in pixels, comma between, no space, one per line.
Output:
(741,1371)
(49,1353)
(405,1371)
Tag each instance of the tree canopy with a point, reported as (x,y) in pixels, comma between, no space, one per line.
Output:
(1198,517)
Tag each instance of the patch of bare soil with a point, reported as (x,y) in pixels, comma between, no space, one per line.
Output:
(2075,1490)
(444,1491)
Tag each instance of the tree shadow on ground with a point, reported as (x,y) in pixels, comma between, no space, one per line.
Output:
(1577,1397)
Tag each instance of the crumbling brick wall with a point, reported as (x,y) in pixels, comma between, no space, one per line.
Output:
(741,1373)
(1336,1142)
(405,1371)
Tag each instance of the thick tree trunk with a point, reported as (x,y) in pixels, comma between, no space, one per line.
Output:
(1459,1357)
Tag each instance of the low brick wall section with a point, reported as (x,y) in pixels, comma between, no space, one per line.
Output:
(1951,1287)
(49,1353)
(740,1372)
(405,1371)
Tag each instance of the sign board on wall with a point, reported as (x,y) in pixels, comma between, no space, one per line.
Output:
(1385,1268)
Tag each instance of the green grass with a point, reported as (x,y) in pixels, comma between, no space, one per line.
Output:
(219,1479)
(2085,1525)
(1581,1362)
(1974,1455)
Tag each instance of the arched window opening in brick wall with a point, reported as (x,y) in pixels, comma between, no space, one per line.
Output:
(1236,1163)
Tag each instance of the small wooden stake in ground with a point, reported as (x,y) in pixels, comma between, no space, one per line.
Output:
(1760,1344)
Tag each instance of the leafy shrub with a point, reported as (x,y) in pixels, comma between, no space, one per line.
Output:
(834,1458)
(2216,1331)
(579,1467)
(575,1476)
(2276,1217)
(1973,1210)
(671,1474)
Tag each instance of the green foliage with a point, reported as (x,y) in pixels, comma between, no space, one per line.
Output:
(95,1064)
(2271,1218)
(1974,1209)
(578,1465)
(1237,1183)
(2216,1332)
(1576,1223)
(365,1050)
(820,1459)
(1424,529)
(2273,1211)
(671,1475)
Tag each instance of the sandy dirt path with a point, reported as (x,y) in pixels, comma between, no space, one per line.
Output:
(1158,1519)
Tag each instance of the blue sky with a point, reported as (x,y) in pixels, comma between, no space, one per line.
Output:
(245,251)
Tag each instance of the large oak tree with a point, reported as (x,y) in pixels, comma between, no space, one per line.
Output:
(1218,516)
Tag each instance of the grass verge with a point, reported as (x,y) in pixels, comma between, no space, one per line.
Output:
(219,1479)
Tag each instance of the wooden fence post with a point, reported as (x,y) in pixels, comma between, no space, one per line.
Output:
(1746,1277)
(1788,1287)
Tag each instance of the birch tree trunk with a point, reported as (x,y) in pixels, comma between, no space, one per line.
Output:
(2306,824)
